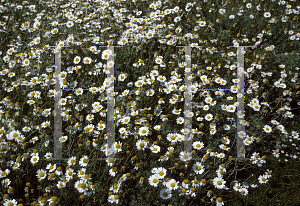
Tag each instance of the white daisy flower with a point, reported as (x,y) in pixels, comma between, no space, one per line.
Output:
(205,107)
(89,117)
(267,14)
(141,144)
(155,148)
(263,179)
(209,117)
(34,159)
(202,23)
(154,180)
(161,172)
(84,161)
(165,194)
(77,59)
(185,156)
(69,24)
(237,187)
(118,146)
(106,54)
(139,83)
(180,120)
(51,167)
(45,124)
(198,145)
(172,184)
(63,139)
(143,131)
(198,168)
(72,161)
(267,129)
(10,202)
(126,120)
(79,91)
(60,184)
(219,182)
(122,77)
(231,108)
(87,60)
(157,127)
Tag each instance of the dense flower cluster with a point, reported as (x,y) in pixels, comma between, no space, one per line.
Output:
(149,133)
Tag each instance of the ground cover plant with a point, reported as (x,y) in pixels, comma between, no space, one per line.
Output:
(149,102)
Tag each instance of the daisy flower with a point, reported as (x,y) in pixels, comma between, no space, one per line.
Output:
(205,107)
(63,139)
(140,144)
(263,179)
(172,137)
(77,60)
(81,172)
(84,161)
(172,184)
(72,161)
(155,148)
(58,171)
(6,182)
(244,191)
(209,117)
(78,91)
(198,145)
(237,187)
(139,83)
(63,101)
(180,120)
(118,146)
(198,168)
(41,174)
(126,120)
(231,17)
(34,159)
(219,182)
(80,185)
(25,62)
(185,156)
(219,201)
(208,100)
(165,194)
(94,89)
(176,111)
(267,14)
(89,117)
(231,108)
(154,180)
(157,127)
(122,130)
(202,23)
(10,202)
(161,172)
(111,198)
(48,155)
(60,184)
(46,112)
(113,171)
(224,147)
(106,54)
(45,124)
(143,131)
(51,167)
(122,77)
(267,129)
